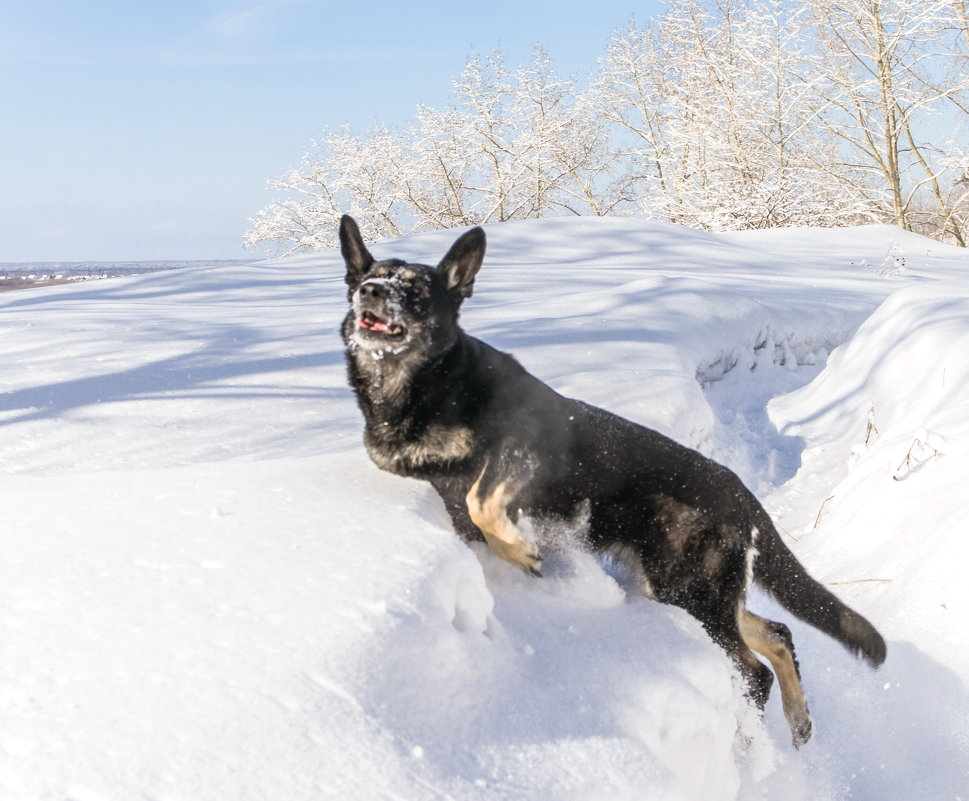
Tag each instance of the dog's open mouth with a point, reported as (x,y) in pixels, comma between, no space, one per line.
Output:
(369,321)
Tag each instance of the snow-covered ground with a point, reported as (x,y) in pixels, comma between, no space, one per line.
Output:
(208,593)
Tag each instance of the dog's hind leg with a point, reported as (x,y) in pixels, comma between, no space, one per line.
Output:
(773,641)
(755,674)
(488,500)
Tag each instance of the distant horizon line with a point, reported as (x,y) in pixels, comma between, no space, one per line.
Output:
(63,262)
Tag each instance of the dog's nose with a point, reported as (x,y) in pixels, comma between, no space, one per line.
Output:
(372,290)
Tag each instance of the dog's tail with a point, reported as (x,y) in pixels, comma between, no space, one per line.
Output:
(777,571)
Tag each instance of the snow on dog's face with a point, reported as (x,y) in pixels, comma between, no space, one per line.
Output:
(392,306)
(398,308)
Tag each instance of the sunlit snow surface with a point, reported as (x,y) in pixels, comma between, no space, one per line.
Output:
(208,593)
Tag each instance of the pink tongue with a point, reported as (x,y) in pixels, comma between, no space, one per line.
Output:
(373,324)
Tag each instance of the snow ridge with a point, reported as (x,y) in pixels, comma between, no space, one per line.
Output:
(209,592)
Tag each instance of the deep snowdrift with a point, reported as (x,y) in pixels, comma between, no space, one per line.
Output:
(207,592)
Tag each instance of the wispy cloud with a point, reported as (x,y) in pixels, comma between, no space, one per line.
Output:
(244,22)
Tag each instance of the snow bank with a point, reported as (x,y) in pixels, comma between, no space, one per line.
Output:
(208,592)
(879,509)
(888,420)
(304,628)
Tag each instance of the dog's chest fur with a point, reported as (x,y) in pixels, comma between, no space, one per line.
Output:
(435,447)
(399,434)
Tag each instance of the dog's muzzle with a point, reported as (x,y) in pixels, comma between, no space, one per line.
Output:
(377,310)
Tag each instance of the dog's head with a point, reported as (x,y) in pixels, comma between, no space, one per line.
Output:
(397,308)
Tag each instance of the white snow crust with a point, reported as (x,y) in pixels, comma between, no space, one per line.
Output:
(208,593)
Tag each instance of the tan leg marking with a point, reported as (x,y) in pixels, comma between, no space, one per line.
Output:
(503,537)
(759,635)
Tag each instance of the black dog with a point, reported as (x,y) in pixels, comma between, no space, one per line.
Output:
(497,444)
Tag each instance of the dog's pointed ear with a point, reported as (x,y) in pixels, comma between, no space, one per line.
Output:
(355,253)
(461,263)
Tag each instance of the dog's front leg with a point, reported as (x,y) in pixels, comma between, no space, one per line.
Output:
(488,499)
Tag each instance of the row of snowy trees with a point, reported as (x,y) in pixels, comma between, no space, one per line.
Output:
(720,115)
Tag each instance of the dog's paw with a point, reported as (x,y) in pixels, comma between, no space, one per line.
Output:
(531,558)
(521,553)
(801,730)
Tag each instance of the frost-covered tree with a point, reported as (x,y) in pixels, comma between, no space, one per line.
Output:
(888,84)
(342,174)
(720,114)
(513,145)
(951,221)
(441,169)
(536,144)
(630,91)
(562,144)
(712,103)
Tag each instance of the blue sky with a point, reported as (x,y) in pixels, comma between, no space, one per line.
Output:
(146,131)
